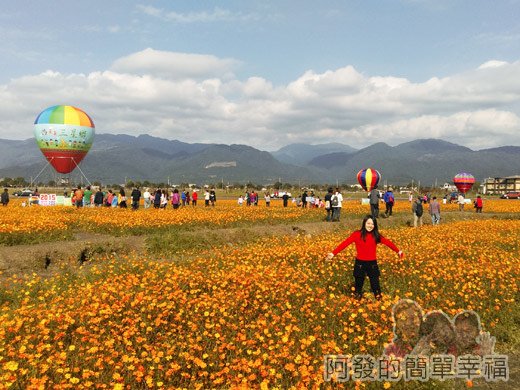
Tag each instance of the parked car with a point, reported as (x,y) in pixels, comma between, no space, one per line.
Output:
(453,197)
(511,195)
(23,193)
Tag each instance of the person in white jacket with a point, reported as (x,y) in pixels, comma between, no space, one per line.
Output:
(336,203)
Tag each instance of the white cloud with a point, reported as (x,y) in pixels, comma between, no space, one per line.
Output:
(492,64)
(175,65)
(196,98)
(216,15)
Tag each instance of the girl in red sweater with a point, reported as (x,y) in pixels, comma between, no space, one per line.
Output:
(366,240)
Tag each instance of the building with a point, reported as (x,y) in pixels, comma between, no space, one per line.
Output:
(501,185)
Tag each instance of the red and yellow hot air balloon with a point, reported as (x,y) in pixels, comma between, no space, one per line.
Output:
(64,134)
(463,181)
(368,178)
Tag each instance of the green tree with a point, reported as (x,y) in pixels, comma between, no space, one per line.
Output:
(277,185)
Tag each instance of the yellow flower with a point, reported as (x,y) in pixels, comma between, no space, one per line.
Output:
(11,366)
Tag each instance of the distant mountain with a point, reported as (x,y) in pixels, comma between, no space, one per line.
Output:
(331,160)
(116,158)
(18,153)
(503,149)
(428,160)
(301,154)
(430,146)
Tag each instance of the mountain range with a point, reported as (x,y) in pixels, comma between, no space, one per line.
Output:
(116,158)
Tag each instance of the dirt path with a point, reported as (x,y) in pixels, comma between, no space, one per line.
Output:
(46,258)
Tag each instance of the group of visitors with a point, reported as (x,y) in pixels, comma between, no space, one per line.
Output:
(333,204)
(309,200)
(435,208)
(159,198)
(334,199)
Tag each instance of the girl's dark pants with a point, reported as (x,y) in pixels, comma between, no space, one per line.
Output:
(370,269)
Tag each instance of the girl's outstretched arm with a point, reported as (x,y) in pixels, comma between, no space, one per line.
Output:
(391,245)
(349,240)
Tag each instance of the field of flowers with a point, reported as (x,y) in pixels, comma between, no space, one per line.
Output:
(36,224)
(260,315)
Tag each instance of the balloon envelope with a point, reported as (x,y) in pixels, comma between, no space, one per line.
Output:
(463,181)
(64,134)
(368,178)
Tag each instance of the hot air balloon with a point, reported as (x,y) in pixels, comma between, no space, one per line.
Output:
(463,181)
(64,134)
(368,178)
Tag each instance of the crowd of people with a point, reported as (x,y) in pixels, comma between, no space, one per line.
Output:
(158,198)
(332,202)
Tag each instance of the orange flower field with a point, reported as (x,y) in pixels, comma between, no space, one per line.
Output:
(258,315)
(48,223)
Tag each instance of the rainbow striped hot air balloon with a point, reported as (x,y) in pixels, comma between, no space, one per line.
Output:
(368,178)
(463,181)
(64,134)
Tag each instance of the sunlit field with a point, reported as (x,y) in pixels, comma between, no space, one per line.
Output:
(262,313)
(36,224)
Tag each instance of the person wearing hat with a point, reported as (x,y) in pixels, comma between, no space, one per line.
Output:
(389,199)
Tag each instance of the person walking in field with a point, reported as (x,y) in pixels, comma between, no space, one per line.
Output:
(87,197)
(157,198)
(328,205)
(206,198)
(122,198)
(78,195)
(461,201)
(366,240)
(194,198)
(136,196)
(417,210)
(98,198)
(374,202)
(336,202)
(5,197)
(267,198)
(285,198)
(147,198)
(435,211)
(212,197)
(389,199)
(176,199)
(478,204)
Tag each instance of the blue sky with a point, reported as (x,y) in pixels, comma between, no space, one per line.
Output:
(268,73)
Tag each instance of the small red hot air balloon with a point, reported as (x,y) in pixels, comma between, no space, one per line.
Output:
(64,135)
(463,181)
(368,178)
